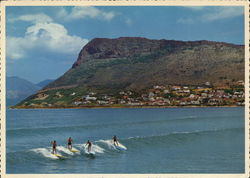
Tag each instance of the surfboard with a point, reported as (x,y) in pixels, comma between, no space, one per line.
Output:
(74,151)
(119,147)
(59,156)
(91,153)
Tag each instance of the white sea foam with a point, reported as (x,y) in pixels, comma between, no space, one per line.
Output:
(45,152)
(94,149)
(65,150)
(111,145)
(97,149)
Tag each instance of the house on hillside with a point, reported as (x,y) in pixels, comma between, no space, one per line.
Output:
(240,82)
(166,91)
(151,94)
(77,102)
(41,96)
(102,102)
(207,83)
(159,87)
(89,98)
(92,93)
(58,95)
(176,87)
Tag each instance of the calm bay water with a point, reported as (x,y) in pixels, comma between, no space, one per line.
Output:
(162,140)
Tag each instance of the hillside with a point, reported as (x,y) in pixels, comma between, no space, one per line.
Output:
(133,63)
(44,83)
(136,64)
(18,89)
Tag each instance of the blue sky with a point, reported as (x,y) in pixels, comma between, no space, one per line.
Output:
(43,42)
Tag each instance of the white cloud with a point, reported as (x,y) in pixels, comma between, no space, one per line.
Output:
(81,12)
(223,13)
(43,35)
(35,18)
(209,14)
(128,21)
(15,48)
(61,12)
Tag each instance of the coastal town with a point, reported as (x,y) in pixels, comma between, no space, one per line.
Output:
(170,95)
(155,96)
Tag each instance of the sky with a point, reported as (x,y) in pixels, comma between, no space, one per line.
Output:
(44,41)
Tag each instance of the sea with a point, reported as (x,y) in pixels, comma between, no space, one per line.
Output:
(155,140)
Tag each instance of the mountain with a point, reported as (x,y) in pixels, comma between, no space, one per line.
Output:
(44,83)
(136,63)
(133,63)
(18,89)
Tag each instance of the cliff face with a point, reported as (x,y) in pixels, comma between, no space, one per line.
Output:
(128,47)
(138,63)
(101,48)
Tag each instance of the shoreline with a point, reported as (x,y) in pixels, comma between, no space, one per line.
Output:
(117,107)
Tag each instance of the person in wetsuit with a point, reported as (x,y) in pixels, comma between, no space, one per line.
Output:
(53,143)
(70,143)
(115,140)
(89,145)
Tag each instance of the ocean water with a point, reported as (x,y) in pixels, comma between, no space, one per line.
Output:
(157,140)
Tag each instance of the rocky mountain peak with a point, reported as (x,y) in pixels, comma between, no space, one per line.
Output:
(127,47)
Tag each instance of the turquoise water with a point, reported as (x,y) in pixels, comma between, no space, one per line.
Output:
(162,140)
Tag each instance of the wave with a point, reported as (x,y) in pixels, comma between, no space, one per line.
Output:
(107,146)
(47,152)
(44,152)
(64,150)
(109,143)
(94,148)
